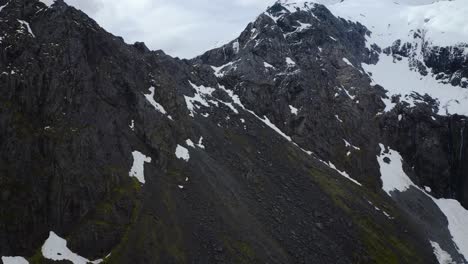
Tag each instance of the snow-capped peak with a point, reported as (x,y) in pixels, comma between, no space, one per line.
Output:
(444,23)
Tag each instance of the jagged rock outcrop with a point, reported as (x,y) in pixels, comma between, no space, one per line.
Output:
(246,161)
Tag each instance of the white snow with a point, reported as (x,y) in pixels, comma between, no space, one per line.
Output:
(235,98)
(267,122)
(300,28)
(397,78)
(348,62)
(14,260)
(27,26)
(444,22)
(220,71)
(182,153)
(303,26)
(457,217)
(201,92)
(189,143)
(268,66)
(294,110)
(347,93)
(347,144)
(393,176)
(395,179)
(3,6)
(55,248)
(338,118)
(441,23)
(235,46)
(132,125)
(442,256)
(380,210)
(427,189)
(200,143)
(343,173)
(138,167)
(290,62)
(156,105)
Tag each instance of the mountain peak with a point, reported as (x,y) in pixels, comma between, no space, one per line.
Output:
(300,141)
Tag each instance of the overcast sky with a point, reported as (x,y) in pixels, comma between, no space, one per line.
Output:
(183,28)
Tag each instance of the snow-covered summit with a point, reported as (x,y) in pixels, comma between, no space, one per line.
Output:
(443,22)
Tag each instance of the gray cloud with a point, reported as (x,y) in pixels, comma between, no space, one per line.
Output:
(183,28)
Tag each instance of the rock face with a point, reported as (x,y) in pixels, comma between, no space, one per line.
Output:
(261,151)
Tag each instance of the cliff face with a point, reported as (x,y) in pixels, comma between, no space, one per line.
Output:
(266,150)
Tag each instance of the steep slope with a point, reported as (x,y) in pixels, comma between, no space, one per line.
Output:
(314,75)
(114,153)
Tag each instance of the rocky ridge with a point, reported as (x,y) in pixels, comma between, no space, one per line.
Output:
(264,150)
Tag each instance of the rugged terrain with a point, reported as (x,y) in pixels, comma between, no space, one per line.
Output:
(279,147)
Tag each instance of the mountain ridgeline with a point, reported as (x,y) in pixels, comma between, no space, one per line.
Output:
(278,147)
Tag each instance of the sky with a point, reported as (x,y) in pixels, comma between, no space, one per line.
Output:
(182,28)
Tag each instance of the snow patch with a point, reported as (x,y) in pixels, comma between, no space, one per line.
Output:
(200,143)
(338,118)
(395,179)
(235,46)
(391,170)
(55,248)
(156,105)
(182,153)
(348,62)
(290,62)
(138,167)
(303,26)
(442,256)
(347,144)
(14,260)
(201,92)
(27,26)
(3,6)
(267,122)
(268,66)
(457,217)
(294,110)
(343,173)
(396,77)
(220,71)
(189,143)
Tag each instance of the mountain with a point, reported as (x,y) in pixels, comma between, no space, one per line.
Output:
(316,136)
